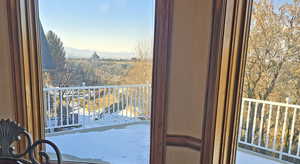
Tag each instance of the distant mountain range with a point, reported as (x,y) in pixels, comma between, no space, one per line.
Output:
(83,53)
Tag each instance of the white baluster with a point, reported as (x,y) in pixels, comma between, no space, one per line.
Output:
(127,102)
(241,121)
(143,101)
(99,106)
(104,101)
(73,105)
(139,100)
(122,101)
(55,108)
(298,148)
(49,113)
(131,102)
(113,98)
(118,100)
(61,107)
(67,106)
(269,124)
(292,130)
(261,124)
(135,101)
(283,131)
(150,100)
(94,105)
(254,124)
(248,117)
(84,106)
(88,104)
(276,128)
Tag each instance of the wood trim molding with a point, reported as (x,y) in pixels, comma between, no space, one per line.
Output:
(210,106)
(184,141)
(230,92)
(162,47)
(16,60)
(31,67)
(27,88)
(227,56)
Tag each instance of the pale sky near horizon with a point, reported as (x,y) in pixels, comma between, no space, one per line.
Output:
(101,25)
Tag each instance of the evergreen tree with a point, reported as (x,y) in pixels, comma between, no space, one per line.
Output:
(95,56)
(62,74)
(57,50)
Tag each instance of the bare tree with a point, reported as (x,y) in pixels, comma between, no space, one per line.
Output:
(141,71)
(273,65)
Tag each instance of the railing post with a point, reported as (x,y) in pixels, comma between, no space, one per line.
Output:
(261,124)
(247,123)
(276,127)
(241,120)
(292,130)
(269,124)
(254,123)
(283,132)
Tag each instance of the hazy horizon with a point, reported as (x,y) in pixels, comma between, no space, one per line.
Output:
(72,52)
(114,26)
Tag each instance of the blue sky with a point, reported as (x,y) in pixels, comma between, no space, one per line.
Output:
(101,25)
(281,2)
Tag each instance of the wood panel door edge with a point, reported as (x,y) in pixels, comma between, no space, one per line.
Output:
(227,59)
(27,88)
(162,53)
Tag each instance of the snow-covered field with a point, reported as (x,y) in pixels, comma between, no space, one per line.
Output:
(123,145)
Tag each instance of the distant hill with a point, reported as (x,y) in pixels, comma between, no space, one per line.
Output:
(84,53)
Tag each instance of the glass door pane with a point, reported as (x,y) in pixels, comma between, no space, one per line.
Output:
(269,130)
(97,73)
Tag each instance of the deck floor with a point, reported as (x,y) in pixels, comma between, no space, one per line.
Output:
(128,144)
(245,157)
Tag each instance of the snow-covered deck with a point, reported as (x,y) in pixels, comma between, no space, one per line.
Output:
(120,144)
(124,144)
(248,157)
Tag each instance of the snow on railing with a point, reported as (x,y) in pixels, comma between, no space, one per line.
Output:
(80,106)
(270,128)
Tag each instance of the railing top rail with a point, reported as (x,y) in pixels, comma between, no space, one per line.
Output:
(97,87)
(272,103)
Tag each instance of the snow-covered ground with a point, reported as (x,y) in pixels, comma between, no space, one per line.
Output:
(245,157)
(123,145)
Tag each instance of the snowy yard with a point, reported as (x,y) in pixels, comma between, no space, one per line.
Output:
(122,145)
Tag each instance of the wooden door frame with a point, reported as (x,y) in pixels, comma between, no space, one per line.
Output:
(162,53)
(26,70)
(230,30)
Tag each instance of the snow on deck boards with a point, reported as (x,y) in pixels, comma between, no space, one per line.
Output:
(245,157)
(127,145)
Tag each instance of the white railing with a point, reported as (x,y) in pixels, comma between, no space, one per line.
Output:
(270,128)
(81,106)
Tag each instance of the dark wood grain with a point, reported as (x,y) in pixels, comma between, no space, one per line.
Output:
(26,71)
(17,74)
(162,43)
(215,56)
(184,141)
